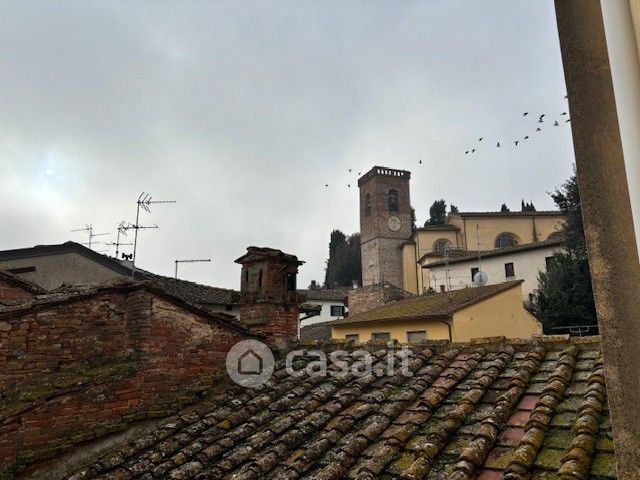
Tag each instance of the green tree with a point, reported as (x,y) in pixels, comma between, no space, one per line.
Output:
(564,295)
(453,209)
(437,213)
(344,263)
(504,208)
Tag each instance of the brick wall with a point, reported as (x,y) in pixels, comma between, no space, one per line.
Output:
(73,371)
(367,298)
(8,291)
(277,323)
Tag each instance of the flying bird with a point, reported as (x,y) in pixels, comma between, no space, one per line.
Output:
(567,120)
(480,139)
(516,142)
(525,114)
(540,120)
(359,173)
(563,113)
(349,170)
(542,116)
(566,96)
(466,152)
(498,145)
(473,150)
(326,185)
(419,162)
(526,137)
(555,124)
(349,185)
(538,129)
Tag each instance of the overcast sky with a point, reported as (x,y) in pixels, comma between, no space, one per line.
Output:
(242,112)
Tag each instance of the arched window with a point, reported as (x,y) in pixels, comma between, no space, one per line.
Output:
(555,236)
(393,200)
(367,205)
(440,246)
(506,240)
(260,279)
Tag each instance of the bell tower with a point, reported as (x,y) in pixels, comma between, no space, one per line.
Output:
(385,224)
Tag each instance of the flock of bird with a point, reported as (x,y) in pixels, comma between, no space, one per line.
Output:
(472,150)
(541,120)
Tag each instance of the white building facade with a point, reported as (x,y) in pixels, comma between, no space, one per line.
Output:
(331,302)
(521,262)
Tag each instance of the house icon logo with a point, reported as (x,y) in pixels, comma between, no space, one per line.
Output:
(250,363)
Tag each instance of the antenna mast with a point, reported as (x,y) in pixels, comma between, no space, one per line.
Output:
(478,246)
(191,260)
(89,228)
(144,201)
(121,229)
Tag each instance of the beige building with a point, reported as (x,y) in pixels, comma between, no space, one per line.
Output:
(459,316)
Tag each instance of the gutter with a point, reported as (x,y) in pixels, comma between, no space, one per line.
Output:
(449,328)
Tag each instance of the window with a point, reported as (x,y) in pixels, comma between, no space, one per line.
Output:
(393,200)
(367,205)
(21,270)
(260,279)
(352,337)
(246,277)
(291,281)
(337,310)
(555,236)
(506,240)
(473,272)
(440,246)
(549,261)
(508,270)
(381,336)
(228,308)
(417,336)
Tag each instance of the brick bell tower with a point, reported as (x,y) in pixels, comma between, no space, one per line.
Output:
(268,294)
(385,224)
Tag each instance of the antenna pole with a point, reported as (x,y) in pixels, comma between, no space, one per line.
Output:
(191,260)
(478,247)
(135,238)
(89,228)
(144,201)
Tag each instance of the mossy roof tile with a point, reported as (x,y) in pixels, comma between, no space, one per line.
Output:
(423,426)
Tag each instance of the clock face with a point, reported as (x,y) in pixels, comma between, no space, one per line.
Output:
(394,223)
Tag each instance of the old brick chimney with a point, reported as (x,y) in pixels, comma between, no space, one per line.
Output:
(268,294)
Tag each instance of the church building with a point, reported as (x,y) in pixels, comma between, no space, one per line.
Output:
(395,253)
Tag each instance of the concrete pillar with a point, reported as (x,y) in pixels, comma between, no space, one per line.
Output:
(607,214)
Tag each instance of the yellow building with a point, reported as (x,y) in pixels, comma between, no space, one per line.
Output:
(459,315)
(471,231)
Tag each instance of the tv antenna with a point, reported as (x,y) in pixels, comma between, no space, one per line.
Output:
(89,228)
(191,260)
(144,201)
(121,230)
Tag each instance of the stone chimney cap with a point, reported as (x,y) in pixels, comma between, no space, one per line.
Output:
(255,254)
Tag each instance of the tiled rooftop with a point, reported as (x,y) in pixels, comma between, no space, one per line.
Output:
(434,305)
(511,410)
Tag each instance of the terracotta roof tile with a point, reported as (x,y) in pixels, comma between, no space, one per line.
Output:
(383,427)
(437,305)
